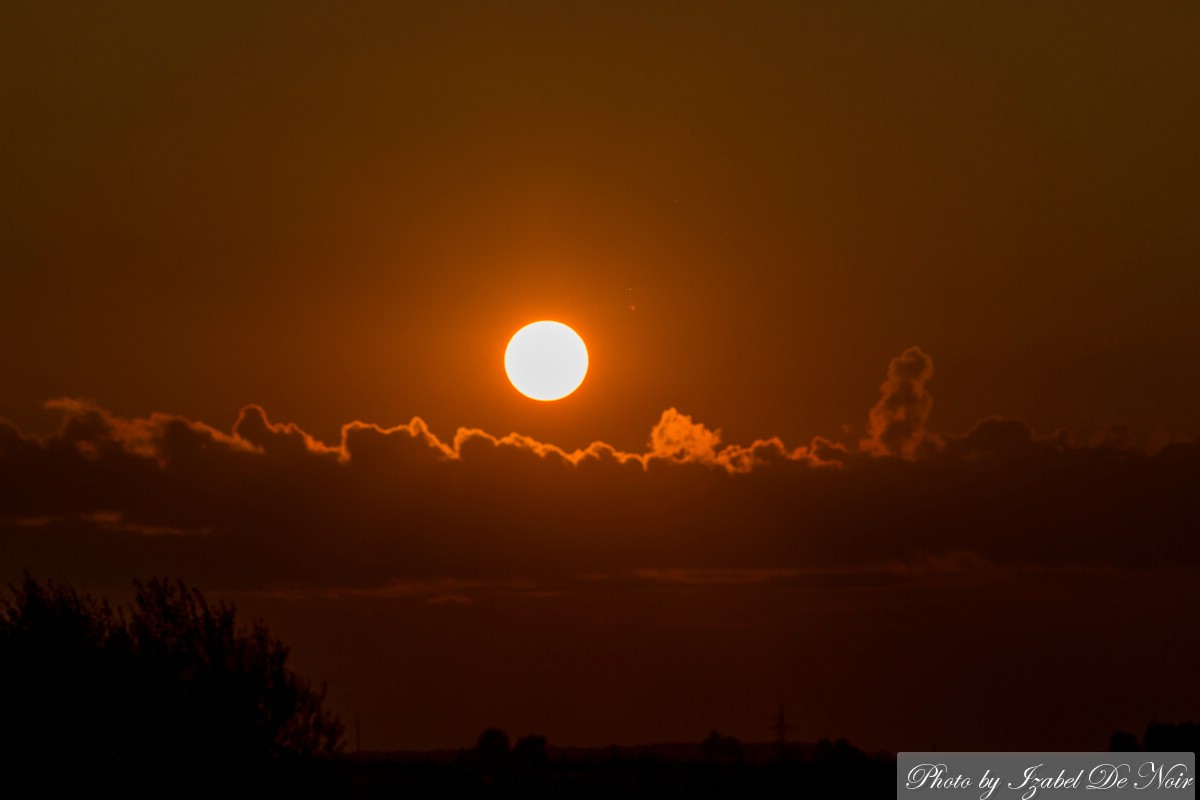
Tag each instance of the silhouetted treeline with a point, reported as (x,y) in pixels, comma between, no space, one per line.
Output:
(170,697)
(721,767)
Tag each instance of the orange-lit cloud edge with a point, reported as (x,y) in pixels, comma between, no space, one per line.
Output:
(896,428)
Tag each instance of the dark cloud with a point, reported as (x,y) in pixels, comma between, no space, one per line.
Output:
(268,505)
(1002,439)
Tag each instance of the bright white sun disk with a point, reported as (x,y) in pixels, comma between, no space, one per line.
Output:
(546,360)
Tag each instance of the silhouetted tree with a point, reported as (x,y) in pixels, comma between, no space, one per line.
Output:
(492,744)
(1122,742)
(1172,738)
(530,750)
(175,689)
(838,752)
(721,749)
(236,678)
(57,687)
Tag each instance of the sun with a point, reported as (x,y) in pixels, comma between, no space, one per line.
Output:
(546,360)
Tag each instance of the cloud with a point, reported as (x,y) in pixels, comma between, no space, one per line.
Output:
(95,433)
(677,438)
(266,505)
(253,428)
(1006,439)
(896,425)
(713,576)
(953,568)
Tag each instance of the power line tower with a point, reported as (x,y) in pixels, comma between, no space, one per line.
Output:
(781,727)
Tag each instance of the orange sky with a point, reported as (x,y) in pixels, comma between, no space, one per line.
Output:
(748,212)
(344,213)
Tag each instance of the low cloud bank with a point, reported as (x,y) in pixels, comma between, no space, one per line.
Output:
(266,505)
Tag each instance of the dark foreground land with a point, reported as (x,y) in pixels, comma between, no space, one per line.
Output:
(826,770)
(716,768)
(171,698)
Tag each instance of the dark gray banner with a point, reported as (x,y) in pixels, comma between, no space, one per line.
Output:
(1008,776)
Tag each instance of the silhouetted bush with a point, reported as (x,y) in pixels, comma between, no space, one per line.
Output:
(174,691)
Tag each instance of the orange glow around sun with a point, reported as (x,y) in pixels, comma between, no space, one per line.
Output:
(546,360)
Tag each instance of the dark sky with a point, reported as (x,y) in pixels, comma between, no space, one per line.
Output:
(752,213)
